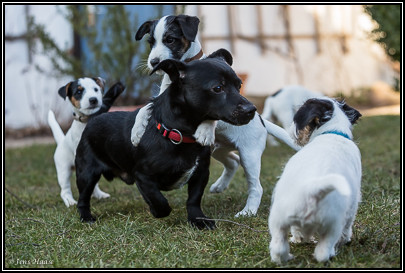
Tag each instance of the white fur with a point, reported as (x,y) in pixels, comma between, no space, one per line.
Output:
(65,152)
(318,192)
(284,105)
(249,140)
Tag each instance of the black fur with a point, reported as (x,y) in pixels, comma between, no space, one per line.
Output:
(200,90)
(313,113)
(109,98)
(316,112)
(352,114)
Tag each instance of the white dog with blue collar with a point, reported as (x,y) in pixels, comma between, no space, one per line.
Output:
(319,190)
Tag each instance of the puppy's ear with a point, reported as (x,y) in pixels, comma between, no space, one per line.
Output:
(100,82)
(189,26)
(143,29)
(223,54)
(175,69)
(352,114)
(65,90)
(314,113)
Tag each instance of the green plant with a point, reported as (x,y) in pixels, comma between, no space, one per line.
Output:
(388,31)
(113,53)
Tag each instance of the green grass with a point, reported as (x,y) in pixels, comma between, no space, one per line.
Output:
(126,235)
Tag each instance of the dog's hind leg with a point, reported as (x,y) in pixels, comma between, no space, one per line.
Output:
(64,164)
(99,194)
(86,180)
(141,121)
(158,204)
(325,248)
(250,161)
(230,160)
(279,247)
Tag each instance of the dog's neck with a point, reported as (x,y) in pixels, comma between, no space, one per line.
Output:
(175,114)
(195,52)
(80,117)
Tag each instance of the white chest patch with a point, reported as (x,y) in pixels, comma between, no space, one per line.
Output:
(185,177)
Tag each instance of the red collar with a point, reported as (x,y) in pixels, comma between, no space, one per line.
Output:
(174,135)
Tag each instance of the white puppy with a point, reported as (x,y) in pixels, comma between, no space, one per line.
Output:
(282,106)
(86,97)
(319,190)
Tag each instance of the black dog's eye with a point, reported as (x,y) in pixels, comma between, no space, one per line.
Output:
(95,89)
(218,89)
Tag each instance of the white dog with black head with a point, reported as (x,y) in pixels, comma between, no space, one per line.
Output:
(319,190)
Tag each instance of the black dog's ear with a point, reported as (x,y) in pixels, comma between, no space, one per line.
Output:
(143,29)
(65,90)
(189,26)
(314,113)
(175,69)
(223,54)
(352,114)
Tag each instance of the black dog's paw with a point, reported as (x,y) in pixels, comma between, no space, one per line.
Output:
(202,223)
(161,212)
(86,217)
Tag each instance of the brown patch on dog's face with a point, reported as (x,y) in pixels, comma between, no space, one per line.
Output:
(186,44)
(75,102)
(304,134)
(312,115)
(100,82)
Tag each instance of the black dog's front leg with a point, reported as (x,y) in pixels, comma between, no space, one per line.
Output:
(196,186)
(158,204)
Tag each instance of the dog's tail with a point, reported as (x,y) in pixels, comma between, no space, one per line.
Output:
(320,187)
(279,133)
(56,130)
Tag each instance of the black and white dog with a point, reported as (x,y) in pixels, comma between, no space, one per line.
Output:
(167,157)
(175,37)
(319,190)
(87,100)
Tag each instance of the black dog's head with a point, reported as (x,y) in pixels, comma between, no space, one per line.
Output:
(169,38)
(323,115)
(209,88)
(85,94)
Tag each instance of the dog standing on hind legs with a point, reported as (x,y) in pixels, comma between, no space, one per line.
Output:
(175,37)
(87,100)
(319,190)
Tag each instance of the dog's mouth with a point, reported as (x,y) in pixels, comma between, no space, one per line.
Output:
(239,117)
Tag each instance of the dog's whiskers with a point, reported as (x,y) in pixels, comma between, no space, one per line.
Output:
(143,67)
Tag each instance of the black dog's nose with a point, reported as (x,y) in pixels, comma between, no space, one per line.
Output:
(154,62)
(93,101)
(247,108)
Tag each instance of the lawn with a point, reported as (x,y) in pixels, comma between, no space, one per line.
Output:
(40,232)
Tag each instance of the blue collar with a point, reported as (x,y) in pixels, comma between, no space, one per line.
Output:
(337,133)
